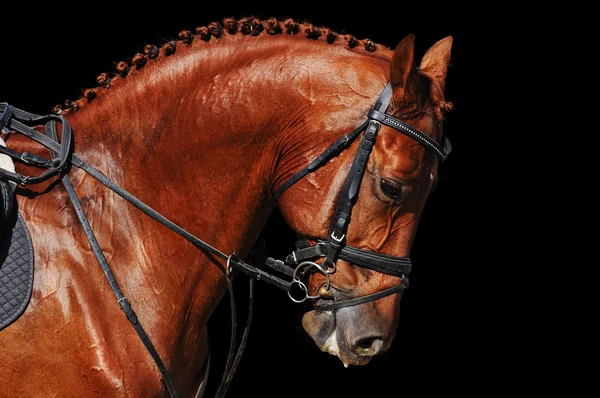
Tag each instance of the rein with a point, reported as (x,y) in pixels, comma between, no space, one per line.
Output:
(297,265)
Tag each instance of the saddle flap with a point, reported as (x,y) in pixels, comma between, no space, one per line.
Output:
(16,270)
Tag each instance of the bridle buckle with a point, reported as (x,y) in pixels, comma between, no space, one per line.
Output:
(338,239)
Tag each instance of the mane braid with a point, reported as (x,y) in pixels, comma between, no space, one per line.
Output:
(249,26)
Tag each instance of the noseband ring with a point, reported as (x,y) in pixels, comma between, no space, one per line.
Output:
(304,268)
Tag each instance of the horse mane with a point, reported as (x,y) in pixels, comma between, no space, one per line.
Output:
(247,26)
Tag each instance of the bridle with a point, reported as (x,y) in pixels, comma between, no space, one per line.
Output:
(297,265)
(335,247)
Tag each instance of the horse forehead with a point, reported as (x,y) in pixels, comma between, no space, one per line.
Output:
(398,154)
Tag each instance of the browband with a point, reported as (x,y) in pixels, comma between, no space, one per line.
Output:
(410,131)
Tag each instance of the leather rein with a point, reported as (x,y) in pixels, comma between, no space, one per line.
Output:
(297,265)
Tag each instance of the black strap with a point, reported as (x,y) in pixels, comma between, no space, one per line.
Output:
(334,150)
(5,115)
(121,299)
(363,299)
(232,364)
(412,132)
(383,102)
(110,277)
(258,256)
(307,252)
(27,158)
(343,212)
(279,266)
(235,264)
(12,118)
(390,265)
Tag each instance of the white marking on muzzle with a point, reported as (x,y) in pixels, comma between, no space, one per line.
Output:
(332,347)
(331,344)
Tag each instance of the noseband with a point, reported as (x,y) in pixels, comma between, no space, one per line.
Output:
(336,247)
(298,264)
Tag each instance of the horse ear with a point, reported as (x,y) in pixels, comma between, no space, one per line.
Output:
(403,74)
(435,61)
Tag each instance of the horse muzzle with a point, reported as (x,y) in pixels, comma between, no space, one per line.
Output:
(353,334)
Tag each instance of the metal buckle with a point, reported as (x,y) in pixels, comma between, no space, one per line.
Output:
(337,239)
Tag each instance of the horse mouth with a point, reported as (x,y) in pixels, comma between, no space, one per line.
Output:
(333,346)
(321,326)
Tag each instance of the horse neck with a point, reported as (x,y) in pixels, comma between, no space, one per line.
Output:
(190,137)
(202,136)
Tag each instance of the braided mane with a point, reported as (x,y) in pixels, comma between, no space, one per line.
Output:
(214,31)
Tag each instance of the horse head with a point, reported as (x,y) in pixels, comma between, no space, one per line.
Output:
(398,178)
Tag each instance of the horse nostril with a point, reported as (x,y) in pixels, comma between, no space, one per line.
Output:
(368,346)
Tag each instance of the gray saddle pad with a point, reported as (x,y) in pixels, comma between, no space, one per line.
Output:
(16,270)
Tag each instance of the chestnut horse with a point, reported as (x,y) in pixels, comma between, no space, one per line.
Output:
(204,130)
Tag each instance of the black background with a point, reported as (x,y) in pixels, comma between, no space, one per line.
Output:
(51,53)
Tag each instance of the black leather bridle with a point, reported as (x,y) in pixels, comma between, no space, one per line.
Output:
(298,264)
(335,247)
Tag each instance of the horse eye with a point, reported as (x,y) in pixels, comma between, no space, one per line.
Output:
(391,188)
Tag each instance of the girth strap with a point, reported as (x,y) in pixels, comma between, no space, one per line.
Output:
(363,299)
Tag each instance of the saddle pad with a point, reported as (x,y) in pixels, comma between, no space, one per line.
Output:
(16,272)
